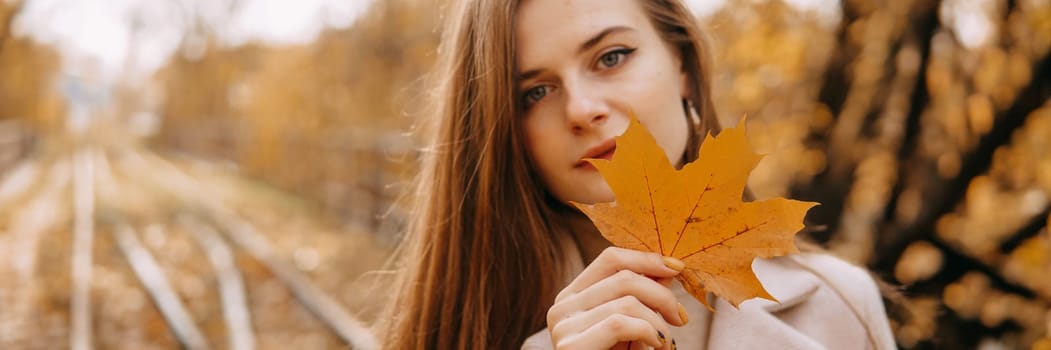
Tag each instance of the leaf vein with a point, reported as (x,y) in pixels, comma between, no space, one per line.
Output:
(686,223)
(633,235)
(738,234)
(653,210)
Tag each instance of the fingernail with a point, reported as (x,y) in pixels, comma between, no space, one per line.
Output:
(683,315)
(673,263)
(661,336)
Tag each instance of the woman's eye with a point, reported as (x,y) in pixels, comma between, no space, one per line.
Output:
(613,58)
(534,95)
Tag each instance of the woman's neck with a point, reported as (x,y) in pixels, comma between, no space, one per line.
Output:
(589,239)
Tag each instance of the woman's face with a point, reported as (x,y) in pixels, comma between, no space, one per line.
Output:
(585,67)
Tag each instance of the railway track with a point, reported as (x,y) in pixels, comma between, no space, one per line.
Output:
(122,248)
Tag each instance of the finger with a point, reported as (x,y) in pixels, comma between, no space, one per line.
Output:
(614,329)
(666,282)
(624,283)
(614,259)
(626,305)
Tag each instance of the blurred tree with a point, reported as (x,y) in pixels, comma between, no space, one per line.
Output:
(27,72)
(200,95)
(926,96)
(320,118)
(7,14)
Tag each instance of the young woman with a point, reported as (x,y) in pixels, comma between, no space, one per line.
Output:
(496,259)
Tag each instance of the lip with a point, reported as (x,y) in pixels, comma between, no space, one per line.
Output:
(603,150)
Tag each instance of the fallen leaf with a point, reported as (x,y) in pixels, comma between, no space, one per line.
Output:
(696,214)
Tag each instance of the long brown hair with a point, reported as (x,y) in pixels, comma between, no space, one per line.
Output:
(482,259)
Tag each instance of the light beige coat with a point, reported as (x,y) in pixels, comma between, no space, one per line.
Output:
(825,303)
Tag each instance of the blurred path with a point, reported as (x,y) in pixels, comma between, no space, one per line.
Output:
(105,246)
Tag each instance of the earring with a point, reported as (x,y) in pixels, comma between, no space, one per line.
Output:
(691,111)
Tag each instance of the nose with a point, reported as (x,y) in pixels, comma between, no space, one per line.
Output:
(585,107)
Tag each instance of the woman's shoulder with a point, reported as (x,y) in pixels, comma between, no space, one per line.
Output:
(853,283)
(825,298)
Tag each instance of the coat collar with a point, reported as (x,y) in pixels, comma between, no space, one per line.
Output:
(755,324)
(790,286)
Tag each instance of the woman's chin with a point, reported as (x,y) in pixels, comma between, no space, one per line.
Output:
(599,194)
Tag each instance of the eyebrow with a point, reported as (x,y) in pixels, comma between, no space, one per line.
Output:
(598,37)
(594,40)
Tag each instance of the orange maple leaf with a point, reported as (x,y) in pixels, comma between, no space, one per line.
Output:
(696,214)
